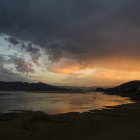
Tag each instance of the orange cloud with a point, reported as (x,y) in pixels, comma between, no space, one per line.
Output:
(106,72)
(66,67)
(65,70)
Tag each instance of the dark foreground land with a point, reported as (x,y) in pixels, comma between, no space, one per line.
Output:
(119,123)
(122,123)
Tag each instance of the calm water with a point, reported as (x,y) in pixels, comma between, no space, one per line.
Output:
(55,103)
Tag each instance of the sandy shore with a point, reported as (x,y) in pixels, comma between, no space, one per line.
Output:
(121,123)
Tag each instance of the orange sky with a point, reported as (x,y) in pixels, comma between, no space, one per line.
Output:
(106,72)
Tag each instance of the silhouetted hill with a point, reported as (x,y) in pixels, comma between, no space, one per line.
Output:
(131,89)
(24,86)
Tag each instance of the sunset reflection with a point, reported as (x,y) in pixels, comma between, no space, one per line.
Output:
(55,103)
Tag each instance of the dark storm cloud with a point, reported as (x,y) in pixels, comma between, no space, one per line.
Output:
(12,40)
(29,48)
(81,29)
(33,51)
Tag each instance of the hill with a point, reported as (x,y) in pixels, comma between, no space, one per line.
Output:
(24,86)
(131,89)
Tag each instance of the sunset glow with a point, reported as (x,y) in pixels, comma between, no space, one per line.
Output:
(94,44)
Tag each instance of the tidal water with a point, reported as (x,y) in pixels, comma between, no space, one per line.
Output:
(57,103)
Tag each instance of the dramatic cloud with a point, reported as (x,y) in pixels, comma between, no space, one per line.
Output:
(12,40)
(34,52)
(96,34)
(83,30)
(22,66)
(8,75)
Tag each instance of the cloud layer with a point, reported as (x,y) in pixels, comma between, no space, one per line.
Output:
(90,33)
(91,29)
(8,75)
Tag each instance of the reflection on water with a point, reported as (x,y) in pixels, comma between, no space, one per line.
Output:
(54,103)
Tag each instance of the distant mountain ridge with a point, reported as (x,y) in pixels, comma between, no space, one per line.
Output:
(24,86)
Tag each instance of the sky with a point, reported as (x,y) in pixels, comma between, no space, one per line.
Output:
(70,42)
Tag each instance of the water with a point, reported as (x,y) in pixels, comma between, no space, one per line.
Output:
(56,103)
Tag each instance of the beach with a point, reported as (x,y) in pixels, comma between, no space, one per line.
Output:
(117,123)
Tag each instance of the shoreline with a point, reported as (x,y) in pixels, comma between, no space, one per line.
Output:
(117,123)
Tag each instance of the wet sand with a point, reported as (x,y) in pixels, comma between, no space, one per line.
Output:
(119,123)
